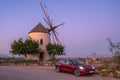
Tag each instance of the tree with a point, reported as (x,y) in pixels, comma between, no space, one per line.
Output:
(55,49)
(21,47)
(115,49)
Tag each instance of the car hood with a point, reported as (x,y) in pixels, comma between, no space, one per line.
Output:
(85,66)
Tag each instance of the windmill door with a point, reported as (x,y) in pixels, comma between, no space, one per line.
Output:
(41,56)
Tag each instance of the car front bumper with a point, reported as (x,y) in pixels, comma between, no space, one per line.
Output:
(84,72)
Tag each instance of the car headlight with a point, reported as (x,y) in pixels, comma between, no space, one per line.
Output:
(93,67)
(81,68)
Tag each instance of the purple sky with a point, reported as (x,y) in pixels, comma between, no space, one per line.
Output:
(87,23)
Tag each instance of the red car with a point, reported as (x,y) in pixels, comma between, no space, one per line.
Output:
(74,66)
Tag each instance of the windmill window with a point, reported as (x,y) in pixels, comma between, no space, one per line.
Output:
(41,42)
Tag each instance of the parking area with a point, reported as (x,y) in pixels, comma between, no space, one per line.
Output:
(41,73)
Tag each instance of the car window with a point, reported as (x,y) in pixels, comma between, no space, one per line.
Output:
(67,61)
(62,61)
(77,62)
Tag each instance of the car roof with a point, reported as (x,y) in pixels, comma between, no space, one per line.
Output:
(69,59)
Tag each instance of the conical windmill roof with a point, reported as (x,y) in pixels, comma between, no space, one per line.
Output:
(39,28)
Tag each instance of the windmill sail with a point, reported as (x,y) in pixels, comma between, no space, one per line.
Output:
(50,24)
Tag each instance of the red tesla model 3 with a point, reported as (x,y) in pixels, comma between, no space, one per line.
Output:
(74,66)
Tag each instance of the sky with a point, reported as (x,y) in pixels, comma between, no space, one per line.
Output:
(87,23)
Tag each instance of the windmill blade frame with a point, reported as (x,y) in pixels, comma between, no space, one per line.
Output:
(55,36)
(46,21)
(60,24)
(56,32)
(47,18)
(53,28)
(49,22)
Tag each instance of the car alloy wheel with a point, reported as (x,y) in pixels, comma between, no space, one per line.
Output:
(76,72)
(57,69)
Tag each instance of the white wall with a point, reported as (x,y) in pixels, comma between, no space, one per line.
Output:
(37,36)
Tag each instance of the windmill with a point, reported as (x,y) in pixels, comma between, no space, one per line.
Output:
(49,22)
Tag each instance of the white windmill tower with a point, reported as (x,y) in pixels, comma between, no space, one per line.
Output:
(44,36)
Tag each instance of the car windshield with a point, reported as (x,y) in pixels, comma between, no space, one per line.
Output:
(77,62)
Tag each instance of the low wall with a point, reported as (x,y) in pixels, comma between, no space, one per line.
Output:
(27,64)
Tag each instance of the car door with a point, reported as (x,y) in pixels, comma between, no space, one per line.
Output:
(68,66)
(62,65)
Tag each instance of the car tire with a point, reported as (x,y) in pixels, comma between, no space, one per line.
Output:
(57,69)
(76,72)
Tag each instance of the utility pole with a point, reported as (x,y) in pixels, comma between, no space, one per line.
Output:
(94,54)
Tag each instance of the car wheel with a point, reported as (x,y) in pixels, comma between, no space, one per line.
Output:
(76,72)
(57,69)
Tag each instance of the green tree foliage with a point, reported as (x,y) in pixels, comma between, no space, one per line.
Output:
(21,47)
(115,49)
(32,47)
(55,49)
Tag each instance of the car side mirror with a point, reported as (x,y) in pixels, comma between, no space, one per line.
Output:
(70,63)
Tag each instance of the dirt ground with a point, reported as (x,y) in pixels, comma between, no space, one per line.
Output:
(41,73)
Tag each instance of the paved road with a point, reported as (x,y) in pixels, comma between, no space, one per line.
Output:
(41,73)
